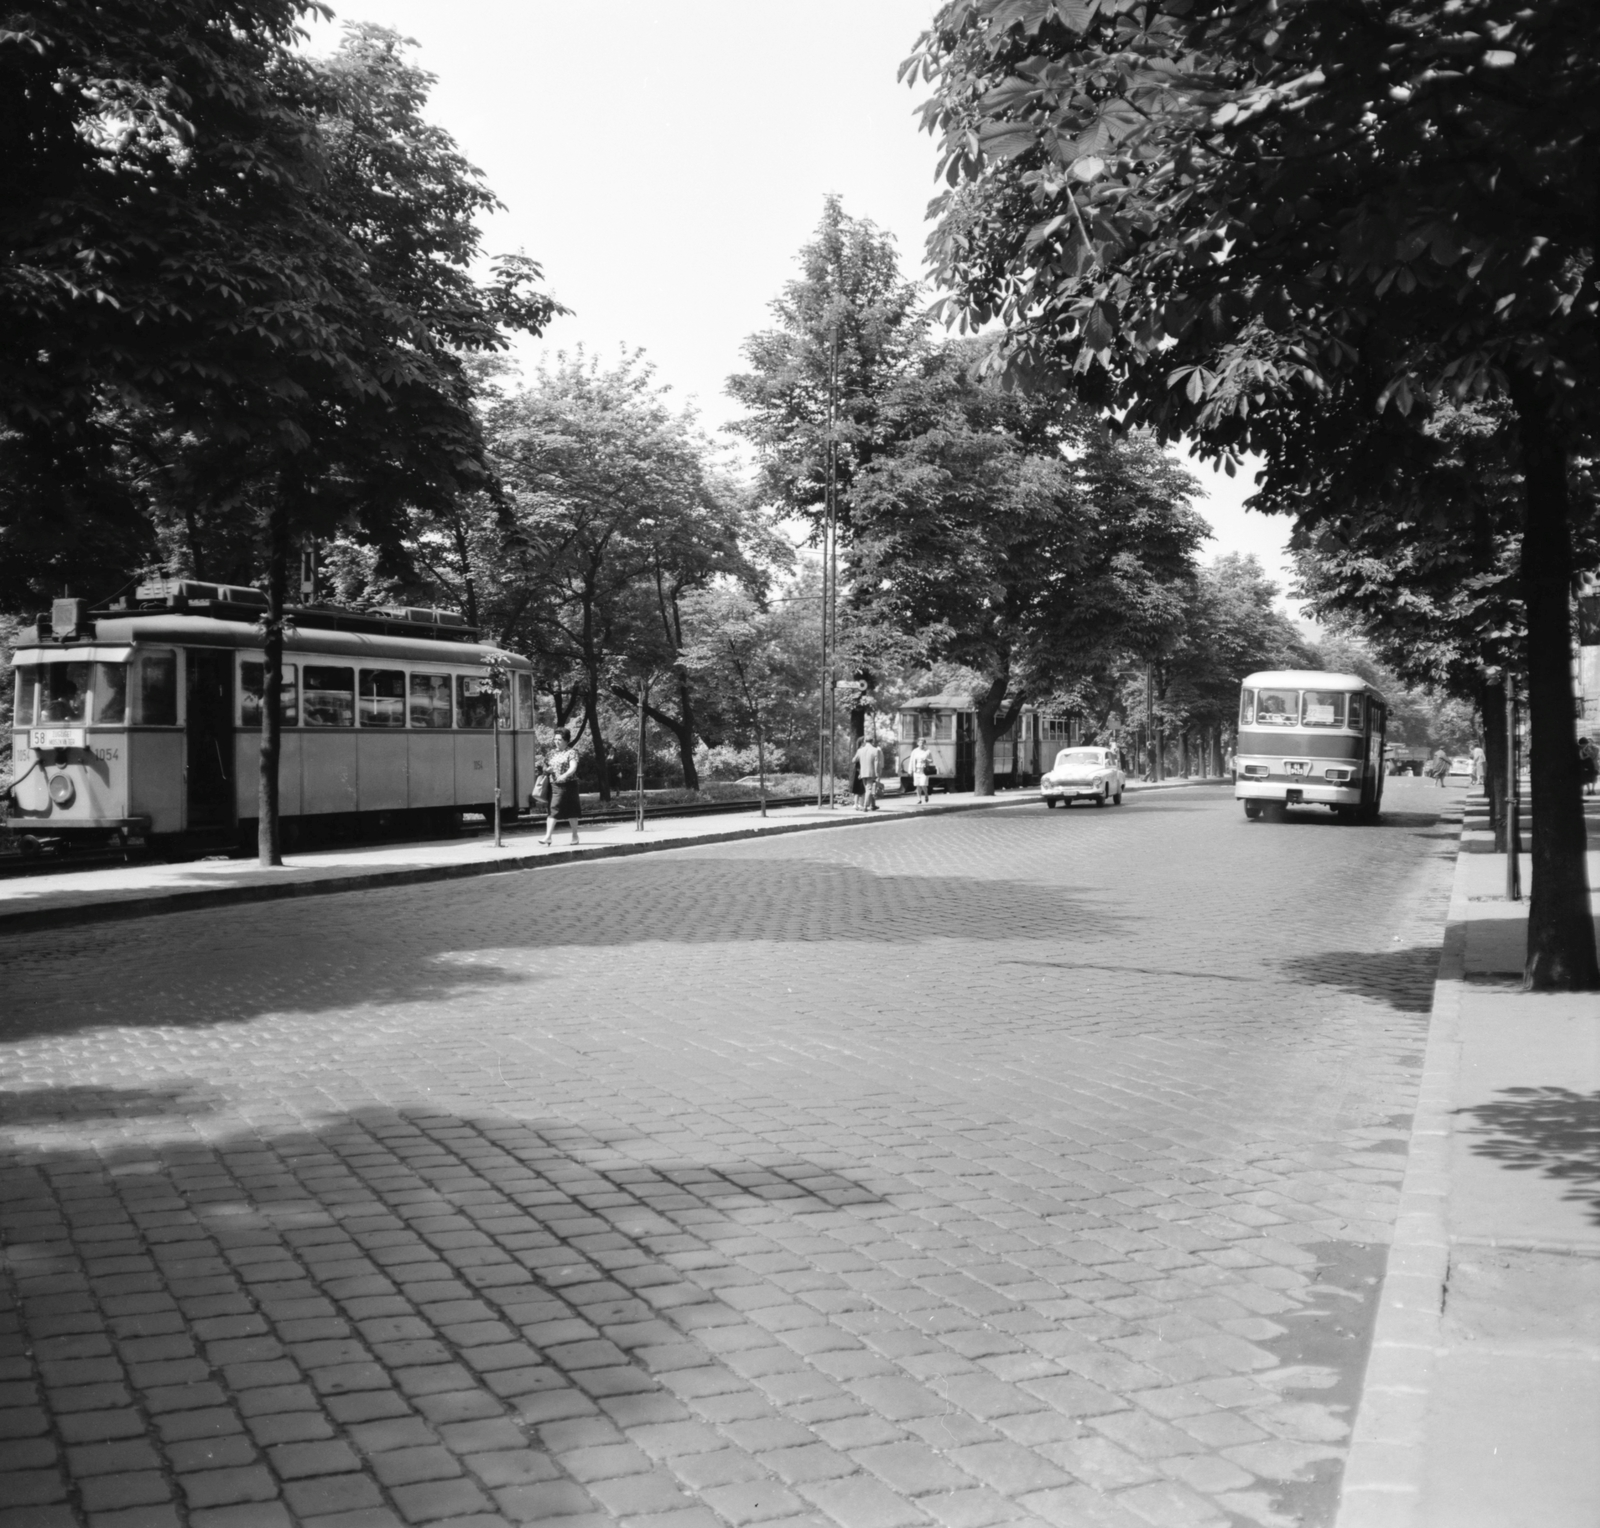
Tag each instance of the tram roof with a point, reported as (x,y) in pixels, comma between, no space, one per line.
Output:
(1308,679)
(179,630)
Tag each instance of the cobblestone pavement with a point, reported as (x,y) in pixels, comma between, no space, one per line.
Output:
(1014,1167)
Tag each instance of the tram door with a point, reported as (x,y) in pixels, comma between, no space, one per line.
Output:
(209,692)
(966,750)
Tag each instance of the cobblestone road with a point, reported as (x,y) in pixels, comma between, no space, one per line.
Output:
(1012,1167)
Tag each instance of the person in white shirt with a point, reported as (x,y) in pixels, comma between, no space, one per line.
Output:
(869,765)
(921,758)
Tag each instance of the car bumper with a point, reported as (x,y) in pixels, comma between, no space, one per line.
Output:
(1085,792)
(1313,792)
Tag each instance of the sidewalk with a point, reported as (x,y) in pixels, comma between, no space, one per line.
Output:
(134,891)
(1481,1407)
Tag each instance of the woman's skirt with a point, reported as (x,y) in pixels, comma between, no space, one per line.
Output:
(564,801)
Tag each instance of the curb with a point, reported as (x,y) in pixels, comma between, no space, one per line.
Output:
(1383,1473)
(30,919)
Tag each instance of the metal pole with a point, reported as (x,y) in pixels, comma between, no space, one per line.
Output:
(638,773)
(495,696)
(1513,827)
(830,552)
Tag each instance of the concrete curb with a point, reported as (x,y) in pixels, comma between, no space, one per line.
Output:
(1383,1474)
(115,911)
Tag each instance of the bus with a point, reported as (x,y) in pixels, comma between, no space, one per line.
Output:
(1308,738)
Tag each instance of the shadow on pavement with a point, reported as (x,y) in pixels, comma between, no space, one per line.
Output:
(1402,978)
(476,1288)
(476,933)
(76,1105)
(1551,1131)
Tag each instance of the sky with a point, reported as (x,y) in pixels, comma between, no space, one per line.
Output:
(665,162)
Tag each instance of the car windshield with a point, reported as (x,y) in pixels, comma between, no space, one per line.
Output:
(1081,758)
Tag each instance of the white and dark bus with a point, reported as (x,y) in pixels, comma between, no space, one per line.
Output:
(1308,738)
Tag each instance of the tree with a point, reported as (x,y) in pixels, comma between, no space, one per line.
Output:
(1014,535)
(616,512)
(1224,216)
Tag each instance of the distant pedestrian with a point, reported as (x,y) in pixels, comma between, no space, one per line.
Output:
(1480,764)
(921,766)
(1230,764)
(1438,767)
(1588,763)
(563,768)
(868,766)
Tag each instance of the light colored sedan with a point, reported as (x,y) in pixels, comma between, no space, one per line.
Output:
(1083,774)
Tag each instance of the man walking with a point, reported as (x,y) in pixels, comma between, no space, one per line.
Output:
(869,765)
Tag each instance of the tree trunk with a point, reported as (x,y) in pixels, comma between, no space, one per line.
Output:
(986,709)
(269,841)
(1561,942)
(681,727)
(591,717)
(1492,709)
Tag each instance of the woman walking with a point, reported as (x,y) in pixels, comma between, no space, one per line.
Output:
(563,768)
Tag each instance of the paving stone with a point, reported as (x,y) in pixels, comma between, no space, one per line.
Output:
(1043,1246)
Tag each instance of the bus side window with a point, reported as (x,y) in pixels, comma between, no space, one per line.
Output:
(1355,713)
(1247,708)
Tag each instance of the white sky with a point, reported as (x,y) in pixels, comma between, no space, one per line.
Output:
(665,162)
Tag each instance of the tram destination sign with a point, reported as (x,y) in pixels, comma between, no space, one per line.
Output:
(57,737)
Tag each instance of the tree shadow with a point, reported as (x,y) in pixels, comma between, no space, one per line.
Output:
(1401,978)
(302,956)
(77,1105)
(1551,1131)
(410,1280)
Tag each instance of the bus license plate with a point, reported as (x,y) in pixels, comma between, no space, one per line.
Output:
(1297,767)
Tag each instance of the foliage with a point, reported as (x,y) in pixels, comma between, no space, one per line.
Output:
(613,508)
(1226,216)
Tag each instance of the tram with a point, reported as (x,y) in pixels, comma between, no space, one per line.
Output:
(947,725)
(141,724)
(1308,738)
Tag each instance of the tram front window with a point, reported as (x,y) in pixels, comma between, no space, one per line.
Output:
(383,698)
(63,694)
(1277,708)
(1324,708)
(330,699)
(27,687)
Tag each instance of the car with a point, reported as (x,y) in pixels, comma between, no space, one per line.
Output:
(1460,768)
(1084,774)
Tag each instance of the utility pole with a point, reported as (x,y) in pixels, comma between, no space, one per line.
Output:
(827,723)
(638,772)
(1513,826)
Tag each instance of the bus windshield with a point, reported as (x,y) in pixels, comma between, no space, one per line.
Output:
(1277,708)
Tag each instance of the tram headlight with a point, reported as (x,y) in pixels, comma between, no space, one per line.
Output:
(62,790)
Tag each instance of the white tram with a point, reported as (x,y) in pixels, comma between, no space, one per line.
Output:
(947,725)
(143,724)
(1308,738)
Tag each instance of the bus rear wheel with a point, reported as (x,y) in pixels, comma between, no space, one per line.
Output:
(1252,810)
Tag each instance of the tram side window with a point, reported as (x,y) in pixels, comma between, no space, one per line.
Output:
(252,685)
(430,700)
(330,698)
(155,689)
(944,727)
(110,694)
(1247,708)
(383,698)
(1277,708)
(474,703)
(1324,708)
(525,708)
